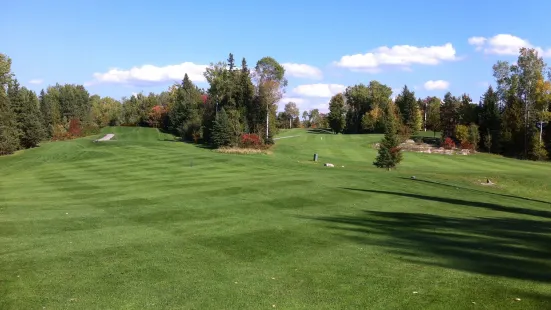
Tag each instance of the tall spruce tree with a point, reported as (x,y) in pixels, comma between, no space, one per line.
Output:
(9,131)
(490,120)
(221,130)
(409,109)
(389,155)
(32,131)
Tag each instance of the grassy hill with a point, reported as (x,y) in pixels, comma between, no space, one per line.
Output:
(144,222)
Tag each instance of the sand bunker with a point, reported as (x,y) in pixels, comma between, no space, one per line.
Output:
(107,137)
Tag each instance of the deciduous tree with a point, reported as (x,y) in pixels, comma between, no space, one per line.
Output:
(337,113)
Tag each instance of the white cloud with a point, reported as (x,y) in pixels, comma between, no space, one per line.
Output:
(305,104)
(477,41)
(319,90)
(149,74)
(505,44)
(296,100)
(398,56)
(436,85)
(36,81)
(303,71)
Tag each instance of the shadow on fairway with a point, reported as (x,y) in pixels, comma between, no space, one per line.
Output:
(507,247)
(476,204)
(479,191)
(319,131)
(197,145)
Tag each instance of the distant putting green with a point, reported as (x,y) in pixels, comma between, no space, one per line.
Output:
(145,222)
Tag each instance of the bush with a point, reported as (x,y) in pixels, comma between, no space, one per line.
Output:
(404,133)
(462,133)
(466,145)
(448,144)
(60,133)
(90,128)
(250,140)
(75,128)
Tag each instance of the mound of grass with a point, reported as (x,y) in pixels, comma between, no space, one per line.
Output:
(132,225)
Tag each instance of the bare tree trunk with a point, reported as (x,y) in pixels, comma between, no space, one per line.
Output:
(267,122)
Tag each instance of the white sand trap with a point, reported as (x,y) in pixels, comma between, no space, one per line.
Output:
(107,137)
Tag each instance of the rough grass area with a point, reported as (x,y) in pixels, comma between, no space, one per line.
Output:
(130,224)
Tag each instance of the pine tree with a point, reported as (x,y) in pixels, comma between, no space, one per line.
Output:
(490,120)
(409,110)
(221,130)
(9,133)
(31,128)
(389,154)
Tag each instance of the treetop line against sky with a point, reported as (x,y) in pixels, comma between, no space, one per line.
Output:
(116,49)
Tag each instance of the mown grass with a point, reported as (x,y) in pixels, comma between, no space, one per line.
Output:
(144,222)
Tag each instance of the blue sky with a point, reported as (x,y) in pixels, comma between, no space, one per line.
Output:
(121,47)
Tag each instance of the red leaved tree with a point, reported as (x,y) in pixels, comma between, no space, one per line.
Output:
(156,116)
(75,128)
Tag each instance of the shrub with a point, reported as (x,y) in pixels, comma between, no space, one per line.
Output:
(60,133)
(90,128)
(404,133)
(75,128)
(250,140)
(466,145)
(448,144)
(462,133)
(474,136)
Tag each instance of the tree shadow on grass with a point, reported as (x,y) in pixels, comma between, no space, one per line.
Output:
(506,247)
(476,204)
(198,145)
(319,131)
(479,191)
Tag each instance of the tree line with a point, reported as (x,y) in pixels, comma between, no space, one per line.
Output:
(510,119)
(239,109)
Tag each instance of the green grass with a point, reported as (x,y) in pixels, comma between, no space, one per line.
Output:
(143,222)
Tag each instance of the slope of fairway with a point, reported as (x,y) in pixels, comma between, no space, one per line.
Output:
(145,222)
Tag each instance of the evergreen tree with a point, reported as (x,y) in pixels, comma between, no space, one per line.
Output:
(9,130)
(337,113)
(221,130)
(409,110)
(185,116)
(231,62)
(9,133)
(389,154)
(490,120)
(449,115)
(32,131)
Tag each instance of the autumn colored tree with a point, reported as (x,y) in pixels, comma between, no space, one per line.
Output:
(156,116)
